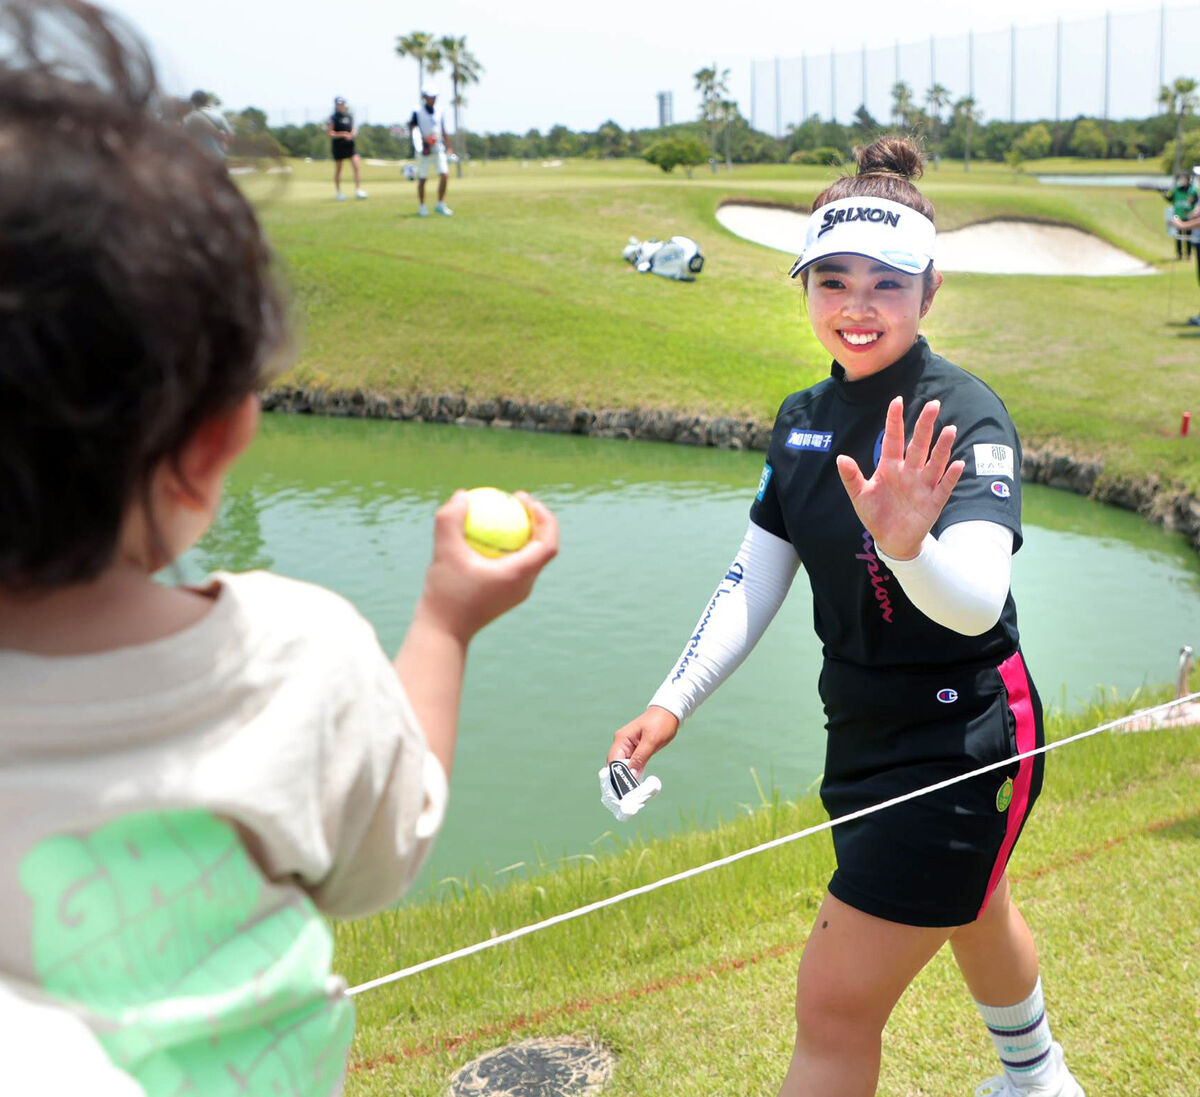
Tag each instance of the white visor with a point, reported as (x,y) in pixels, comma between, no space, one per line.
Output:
(888,232)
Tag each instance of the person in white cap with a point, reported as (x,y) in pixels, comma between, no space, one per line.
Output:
(431,143)
(896,484)
(342,132)
(1190,227)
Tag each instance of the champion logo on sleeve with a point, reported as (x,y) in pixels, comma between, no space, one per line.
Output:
(821,441)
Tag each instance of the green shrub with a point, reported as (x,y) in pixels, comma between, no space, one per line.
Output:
(1191,153)
(672,151)
(1035,142)
(825,155)
(1088,140)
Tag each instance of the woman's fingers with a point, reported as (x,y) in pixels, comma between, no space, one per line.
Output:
(940,457)
(917,455)
(892,447)
(851,474)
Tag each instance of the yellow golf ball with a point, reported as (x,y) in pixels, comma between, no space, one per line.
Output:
(497,523)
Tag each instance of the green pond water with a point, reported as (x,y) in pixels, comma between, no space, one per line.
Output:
(1105,600)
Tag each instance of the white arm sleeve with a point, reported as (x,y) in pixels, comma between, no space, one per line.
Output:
(961,579)
(744,604)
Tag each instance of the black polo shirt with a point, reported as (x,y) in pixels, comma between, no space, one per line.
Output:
(861,614)
(342,122)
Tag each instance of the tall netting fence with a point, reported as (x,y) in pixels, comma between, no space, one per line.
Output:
(1108,66)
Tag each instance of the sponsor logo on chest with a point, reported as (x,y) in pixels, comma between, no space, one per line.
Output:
(820,441)
(878,577)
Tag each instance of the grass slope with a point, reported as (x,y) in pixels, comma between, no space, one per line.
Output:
(524,294)
(692,986)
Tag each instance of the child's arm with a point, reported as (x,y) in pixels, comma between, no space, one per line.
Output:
(463,592)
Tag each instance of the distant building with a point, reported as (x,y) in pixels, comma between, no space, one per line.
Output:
(666,109)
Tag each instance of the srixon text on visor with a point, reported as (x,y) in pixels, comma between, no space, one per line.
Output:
(858,213)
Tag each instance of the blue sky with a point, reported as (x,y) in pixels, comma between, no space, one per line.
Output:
(550,62)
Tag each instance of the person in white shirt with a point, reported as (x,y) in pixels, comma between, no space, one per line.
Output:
(190,777)
(431,144)
(207,125)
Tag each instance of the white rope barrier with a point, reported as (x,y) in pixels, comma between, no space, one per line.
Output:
(687,874)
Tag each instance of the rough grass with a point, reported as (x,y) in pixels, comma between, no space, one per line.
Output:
(692,985)
(524,294)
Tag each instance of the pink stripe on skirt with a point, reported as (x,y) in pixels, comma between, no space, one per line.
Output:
(1020,700)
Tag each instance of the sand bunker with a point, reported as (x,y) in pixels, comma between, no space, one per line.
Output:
(994,247)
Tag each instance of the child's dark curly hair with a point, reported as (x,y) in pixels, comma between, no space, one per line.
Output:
(136,293)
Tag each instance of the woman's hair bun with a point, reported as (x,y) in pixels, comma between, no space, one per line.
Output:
(896,156)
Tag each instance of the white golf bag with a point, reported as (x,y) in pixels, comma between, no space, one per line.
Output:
(677,258)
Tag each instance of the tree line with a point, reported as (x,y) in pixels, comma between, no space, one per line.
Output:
(721,134)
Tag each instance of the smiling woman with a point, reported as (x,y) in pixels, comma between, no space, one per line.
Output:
(923,677)
(864,312)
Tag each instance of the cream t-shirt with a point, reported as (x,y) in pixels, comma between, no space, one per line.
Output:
(173,815)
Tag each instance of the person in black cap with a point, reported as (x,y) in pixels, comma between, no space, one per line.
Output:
(342,133)
(896,484)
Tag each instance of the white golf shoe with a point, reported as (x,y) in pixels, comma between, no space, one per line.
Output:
(360,194)
(340,197)
(1066,1086)
(423,210)
(444,209)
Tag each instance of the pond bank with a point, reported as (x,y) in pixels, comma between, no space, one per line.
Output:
(1164,504)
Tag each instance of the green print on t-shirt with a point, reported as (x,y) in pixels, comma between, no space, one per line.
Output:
(152,924)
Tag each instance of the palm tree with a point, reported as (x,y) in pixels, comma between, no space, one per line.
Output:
(464,68)
(712,86)
(420,47)
(938,98)
(1180,99)
(968,115)
(902,102)
(729,114)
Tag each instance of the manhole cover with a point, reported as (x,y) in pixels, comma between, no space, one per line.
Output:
(560,1066)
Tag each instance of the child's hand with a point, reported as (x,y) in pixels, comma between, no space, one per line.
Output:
(465,591)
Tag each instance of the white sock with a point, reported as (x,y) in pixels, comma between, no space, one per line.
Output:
(1021,1034)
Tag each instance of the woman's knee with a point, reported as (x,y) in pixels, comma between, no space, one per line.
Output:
(830,1012)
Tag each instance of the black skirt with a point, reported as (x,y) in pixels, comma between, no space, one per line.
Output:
(936,859)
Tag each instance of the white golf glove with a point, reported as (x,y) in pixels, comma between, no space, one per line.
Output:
(621,793)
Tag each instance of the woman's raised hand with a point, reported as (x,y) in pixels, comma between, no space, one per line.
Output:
(904,496)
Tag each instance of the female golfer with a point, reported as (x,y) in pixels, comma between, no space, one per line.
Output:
(896,483)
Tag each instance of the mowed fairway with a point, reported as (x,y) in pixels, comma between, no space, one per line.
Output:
(524,294)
